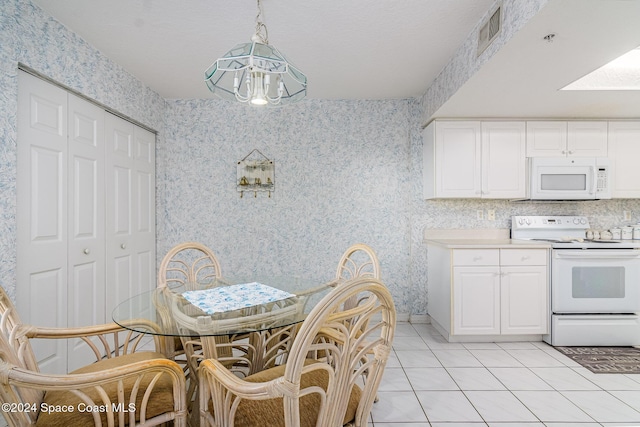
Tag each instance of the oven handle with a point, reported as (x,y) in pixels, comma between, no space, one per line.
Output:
(591,253)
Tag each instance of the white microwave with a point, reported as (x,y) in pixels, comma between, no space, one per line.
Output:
(569,178)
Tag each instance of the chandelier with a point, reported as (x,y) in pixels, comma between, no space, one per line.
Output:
(256,72)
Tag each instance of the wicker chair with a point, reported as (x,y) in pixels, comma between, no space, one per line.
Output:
(123,387)
(189,265)
(358,260)
(194,266)
(338,389)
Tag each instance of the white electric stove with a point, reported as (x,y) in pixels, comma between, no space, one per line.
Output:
(594,284)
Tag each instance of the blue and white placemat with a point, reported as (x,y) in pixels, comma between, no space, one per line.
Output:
(234,297)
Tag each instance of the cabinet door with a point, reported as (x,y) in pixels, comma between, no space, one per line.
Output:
(457,159)
(624,152)
(476,300)
(503,160)
(546,138)
(587,138)
(524,300)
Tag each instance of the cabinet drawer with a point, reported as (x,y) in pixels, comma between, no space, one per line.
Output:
(476,257)
(523,257)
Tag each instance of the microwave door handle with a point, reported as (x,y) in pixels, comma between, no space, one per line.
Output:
(593,180)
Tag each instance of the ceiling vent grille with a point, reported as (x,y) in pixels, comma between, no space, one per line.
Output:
(489,31)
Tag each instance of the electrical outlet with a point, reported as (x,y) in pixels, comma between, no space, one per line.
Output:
(491,215)
(627,215)
(479,214)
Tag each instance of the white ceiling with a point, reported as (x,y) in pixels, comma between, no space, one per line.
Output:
(372,49)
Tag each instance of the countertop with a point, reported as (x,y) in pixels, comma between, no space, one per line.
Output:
(488,244)
(478,239)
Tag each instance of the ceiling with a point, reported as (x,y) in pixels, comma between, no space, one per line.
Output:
(372,49)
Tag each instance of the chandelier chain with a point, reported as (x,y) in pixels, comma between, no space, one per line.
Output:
(261,28)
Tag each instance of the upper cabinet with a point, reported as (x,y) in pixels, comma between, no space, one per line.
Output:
(503,160)
(488,158)
(566,138)
(473,159)
(624,152)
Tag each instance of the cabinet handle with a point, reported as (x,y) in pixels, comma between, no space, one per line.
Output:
(123,246)
(564,151)
(477,258)
(86,251)
(569,152)
(526,257)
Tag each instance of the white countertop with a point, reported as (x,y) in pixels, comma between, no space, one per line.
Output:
(478,239)
(488,243)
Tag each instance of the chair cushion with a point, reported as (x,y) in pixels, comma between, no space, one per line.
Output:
(270,412)
(160,401)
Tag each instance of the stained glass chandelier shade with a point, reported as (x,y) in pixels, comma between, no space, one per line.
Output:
(256,73)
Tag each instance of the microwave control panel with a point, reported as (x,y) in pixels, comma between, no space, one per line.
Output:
(602,176)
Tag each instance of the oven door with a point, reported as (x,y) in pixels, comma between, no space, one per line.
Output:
(595,281)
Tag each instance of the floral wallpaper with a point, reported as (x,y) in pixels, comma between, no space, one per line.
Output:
(341,177)
(345,171)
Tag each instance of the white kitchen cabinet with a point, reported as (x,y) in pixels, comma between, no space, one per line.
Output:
(473,159)
(452,159)
(503,160)
(524,306)
(577,138)
(490,291)
(624,152)
(476,300)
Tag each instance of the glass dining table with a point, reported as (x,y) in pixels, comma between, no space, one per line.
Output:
(243,323)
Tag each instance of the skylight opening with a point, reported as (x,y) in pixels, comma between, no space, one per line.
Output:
(623,73)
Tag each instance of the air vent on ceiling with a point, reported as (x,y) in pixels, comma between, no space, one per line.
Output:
(489,31)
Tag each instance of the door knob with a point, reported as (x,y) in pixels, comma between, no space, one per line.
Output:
(86,251)
(123,246)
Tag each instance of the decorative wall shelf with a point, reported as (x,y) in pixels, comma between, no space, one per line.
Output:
(255,172)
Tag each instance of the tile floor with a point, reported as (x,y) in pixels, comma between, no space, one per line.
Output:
(429,382)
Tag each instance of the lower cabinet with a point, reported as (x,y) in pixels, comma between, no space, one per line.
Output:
(492,292)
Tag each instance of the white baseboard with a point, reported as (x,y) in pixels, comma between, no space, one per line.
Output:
(420,318)
(402,317)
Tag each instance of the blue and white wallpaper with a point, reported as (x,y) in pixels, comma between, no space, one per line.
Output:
(346,171)
(341,177)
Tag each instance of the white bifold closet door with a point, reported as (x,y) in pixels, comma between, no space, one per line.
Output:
(68,271)
(130,222)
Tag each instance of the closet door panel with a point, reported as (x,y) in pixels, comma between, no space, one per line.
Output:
(41,291)
(86,252)
(120,211)
(145,222)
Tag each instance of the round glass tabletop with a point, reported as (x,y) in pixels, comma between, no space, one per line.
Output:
(224,306)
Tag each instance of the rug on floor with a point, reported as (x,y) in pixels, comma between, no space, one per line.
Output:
(605,360)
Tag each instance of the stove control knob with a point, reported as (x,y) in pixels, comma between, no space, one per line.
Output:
(576,221)
(583,221)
